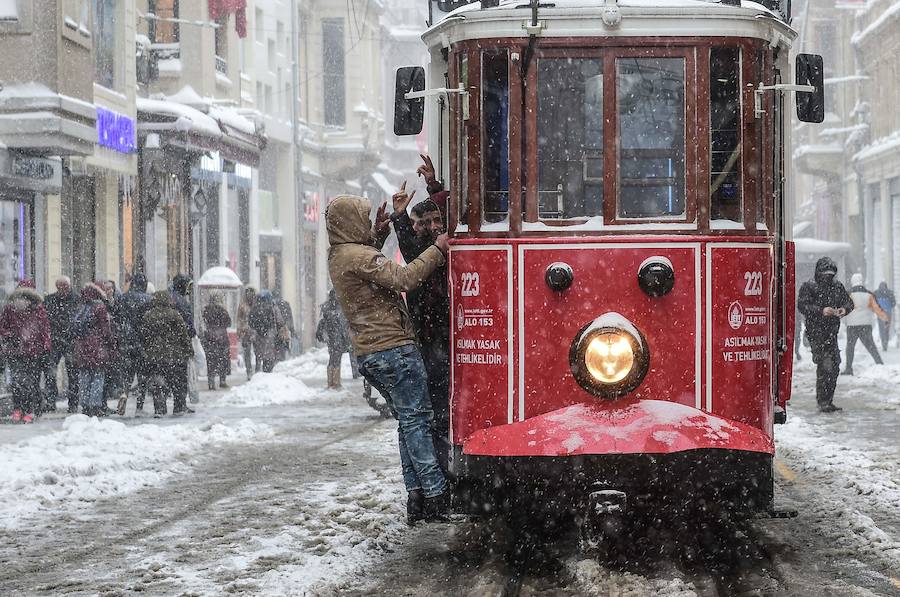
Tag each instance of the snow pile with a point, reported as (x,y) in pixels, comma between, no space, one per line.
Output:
(842,476)
(596,580)
(92,459)
(266,389)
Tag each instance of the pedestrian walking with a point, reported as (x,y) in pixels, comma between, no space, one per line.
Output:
(334,330)
(132,306)
(244,332)
(287,316)
(61,306)
(181,288)
(268,329)
(25,343)
(886,300)
(859,321)
(95,349)
(167,349)
(368,286)
(823,301)
(216,322)
(114,380)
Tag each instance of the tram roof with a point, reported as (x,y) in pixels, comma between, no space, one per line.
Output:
(640,18)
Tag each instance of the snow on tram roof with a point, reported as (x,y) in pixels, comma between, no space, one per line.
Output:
(582,12)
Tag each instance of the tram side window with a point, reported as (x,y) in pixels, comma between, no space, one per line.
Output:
(462,143)
(650,109)
(495,142)
(725,134)
(570,137)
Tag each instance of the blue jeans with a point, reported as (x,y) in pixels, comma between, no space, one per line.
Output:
(399,375)
(90,388)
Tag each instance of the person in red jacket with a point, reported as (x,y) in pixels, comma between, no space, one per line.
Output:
(95,349)
(25,338)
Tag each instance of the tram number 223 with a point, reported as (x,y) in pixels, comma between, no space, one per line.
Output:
(470,284)
(754,285)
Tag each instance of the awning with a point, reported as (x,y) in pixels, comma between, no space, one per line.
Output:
(220,129)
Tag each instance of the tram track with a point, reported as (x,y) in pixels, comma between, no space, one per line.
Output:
(108,528)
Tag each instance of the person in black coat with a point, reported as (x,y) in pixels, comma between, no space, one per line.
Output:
(131,308)
(216,322)
(429,304)
(181,289)
(61,306)
(823,301)
(333,329)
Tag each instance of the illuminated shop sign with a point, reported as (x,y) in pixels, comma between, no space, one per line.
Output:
(115,131)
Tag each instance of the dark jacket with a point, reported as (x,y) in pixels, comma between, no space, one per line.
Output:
(181,286)
(95,346)
(267,325)
(216,322)
(287,314)
(24,327)
(333,327)
(823,291)
(165,336)
(60,311)
(132,306)
(429,304)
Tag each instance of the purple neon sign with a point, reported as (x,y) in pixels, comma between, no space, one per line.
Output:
(115,131)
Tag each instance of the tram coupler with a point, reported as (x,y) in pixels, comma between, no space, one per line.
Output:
(603,519)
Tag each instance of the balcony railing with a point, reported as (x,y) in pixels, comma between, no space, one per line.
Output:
(221,65)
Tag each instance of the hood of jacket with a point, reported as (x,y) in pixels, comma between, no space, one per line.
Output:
(181,284)
(92,292)
(347,220)
(161,298)
(24,298)
(824,266)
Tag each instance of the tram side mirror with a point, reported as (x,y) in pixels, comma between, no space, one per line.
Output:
(409,113)
(809,70)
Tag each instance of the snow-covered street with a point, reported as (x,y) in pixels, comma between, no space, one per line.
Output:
(280,487)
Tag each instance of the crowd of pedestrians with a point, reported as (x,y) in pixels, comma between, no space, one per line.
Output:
(115,345)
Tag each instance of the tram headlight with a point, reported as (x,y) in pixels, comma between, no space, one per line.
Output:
(609,357)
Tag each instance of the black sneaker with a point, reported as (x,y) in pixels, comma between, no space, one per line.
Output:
(437,508)
(830,408)
(415,507)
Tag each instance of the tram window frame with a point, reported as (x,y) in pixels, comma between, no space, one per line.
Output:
(495,202)
(567,212)
(688,95)
(726,204)
(460,136)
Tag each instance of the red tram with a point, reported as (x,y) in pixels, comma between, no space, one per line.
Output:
(621,281)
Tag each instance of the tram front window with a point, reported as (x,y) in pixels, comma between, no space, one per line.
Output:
(570,137)
(650,109)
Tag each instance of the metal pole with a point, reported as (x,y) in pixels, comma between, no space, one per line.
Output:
(299,191)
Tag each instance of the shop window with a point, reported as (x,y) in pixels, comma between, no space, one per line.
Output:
(651,144)
(725,134)
(15,245)
(333,72)
(495,140)
(570,137)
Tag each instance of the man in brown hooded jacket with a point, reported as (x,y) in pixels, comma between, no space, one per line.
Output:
(368,287)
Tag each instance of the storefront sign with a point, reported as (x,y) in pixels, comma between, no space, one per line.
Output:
(36,168)
(115,131)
